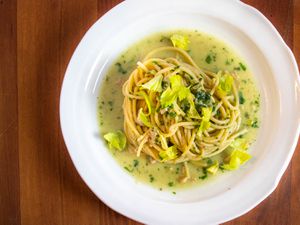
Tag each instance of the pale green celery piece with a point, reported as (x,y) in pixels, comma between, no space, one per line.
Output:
(240,144)
(169,154)
(143,118)
(213,169)
(225,83)
(148,101)
(116,140)
(154,84)
(237,158)
(177,90)
(206,114)
(180,41)
(168,97)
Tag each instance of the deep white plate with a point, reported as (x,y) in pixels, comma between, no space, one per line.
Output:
(232,194)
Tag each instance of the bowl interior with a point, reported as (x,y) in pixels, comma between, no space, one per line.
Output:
(96,63)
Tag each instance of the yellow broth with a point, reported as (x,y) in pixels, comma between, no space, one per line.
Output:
(208,52)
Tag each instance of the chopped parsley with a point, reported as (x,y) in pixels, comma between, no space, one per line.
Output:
(128,169)
(171,184)
(172,114)
(204,176)
(151,178)
(177,170)
(241,98)
(212,56)
(135,163)
(120,68)
(208,59)
(209,161)
(202,99)
(255,124)
(111,103)
(243,67)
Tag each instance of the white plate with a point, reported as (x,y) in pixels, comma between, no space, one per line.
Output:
(229,196)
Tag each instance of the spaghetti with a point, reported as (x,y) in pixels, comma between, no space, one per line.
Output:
(176,112)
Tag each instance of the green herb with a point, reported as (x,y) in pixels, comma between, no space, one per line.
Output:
(111,103)
(246,115)
(202,99)
(255,124)
(212,56)
(241,98)
(171,184)
(151,178)
(164,85)
(237,68)
(174,193)
(185,105)
(243,67)
(120,68)
(135,163)
(204,176)
(129,170)
(208,59)
(164,38)
(172,114)
(209,161)
(177,170)
(221,167)
(256,102)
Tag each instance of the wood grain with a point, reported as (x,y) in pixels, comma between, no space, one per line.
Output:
(38,98)
(9,160)
(38,182)
(76,17)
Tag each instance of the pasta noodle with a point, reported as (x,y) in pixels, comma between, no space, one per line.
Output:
(202,120)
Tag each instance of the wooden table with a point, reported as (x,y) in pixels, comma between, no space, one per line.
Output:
(38,182)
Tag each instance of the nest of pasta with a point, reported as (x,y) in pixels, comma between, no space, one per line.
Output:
(175,111)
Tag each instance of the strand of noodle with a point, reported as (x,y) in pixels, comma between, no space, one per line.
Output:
(142,66)
(182,52)
(144,140)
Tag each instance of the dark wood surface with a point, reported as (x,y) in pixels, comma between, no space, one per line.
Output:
(38,182)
